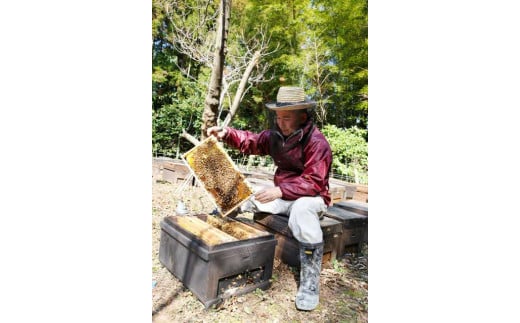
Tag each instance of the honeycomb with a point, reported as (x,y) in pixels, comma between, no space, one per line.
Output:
(234,228)
(219,176)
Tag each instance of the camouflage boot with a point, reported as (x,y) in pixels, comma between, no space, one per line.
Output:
(308,295)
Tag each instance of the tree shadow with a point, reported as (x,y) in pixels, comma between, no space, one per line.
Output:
(169,300)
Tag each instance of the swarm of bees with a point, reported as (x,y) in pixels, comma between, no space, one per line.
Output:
(218,174)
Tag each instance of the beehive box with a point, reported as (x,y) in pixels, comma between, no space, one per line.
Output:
(354,206)
(340,190)
(287,249)
(175,172)
(219,176)
(355,229)
(216,258)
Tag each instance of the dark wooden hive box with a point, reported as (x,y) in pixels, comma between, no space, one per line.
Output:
(287,249)
(216,272)
(355,228)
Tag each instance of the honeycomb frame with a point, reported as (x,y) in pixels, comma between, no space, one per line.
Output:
(219,176)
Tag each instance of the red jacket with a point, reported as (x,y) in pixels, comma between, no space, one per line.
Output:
(301,171)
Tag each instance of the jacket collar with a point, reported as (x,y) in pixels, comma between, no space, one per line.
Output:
(296,135)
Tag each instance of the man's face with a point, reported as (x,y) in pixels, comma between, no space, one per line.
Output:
(290,121)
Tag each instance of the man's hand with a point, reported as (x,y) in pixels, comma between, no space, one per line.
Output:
(268,194)
(216,131)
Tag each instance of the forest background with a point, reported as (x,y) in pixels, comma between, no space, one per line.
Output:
(321,46)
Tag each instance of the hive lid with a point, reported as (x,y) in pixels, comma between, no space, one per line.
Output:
(354,206)
(218,175)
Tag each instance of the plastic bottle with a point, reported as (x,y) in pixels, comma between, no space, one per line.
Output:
(181,209)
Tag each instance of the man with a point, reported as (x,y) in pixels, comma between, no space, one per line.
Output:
(303,158)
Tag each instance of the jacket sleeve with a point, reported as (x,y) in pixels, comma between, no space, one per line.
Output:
(248,142)
(314,178)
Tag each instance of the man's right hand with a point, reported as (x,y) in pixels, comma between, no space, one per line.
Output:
(216,131)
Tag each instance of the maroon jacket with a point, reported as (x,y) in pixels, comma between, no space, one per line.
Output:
(301,171)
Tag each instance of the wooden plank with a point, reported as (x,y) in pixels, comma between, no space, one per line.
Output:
(362,188)
(175,172)
(176,167)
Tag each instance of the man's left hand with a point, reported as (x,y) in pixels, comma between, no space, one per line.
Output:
(268,194)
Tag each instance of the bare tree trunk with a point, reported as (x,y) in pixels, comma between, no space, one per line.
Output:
(209,116)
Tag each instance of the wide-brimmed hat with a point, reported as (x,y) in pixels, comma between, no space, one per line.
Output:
(290,98)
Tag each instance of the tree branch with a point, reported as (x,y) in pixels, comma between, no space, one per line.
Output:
(241,88)
(189,137)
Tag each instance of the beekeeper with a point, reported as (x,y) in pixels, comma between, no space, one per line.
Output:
(303,158)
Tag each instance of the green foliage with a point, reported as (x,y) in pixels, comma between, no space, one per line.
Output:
(346,43)
(259,293)
(338,266)
(329,37)
(306,37)
(168,122)
(349,151)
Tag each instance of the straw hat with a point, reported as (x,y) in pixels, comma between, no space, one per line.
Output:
(290,98)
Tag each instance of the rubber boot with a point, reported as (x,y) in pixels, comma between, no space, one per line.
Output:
(308,295)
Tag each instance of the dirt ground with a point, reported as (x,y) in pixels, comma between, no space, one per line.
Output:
(343,289)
